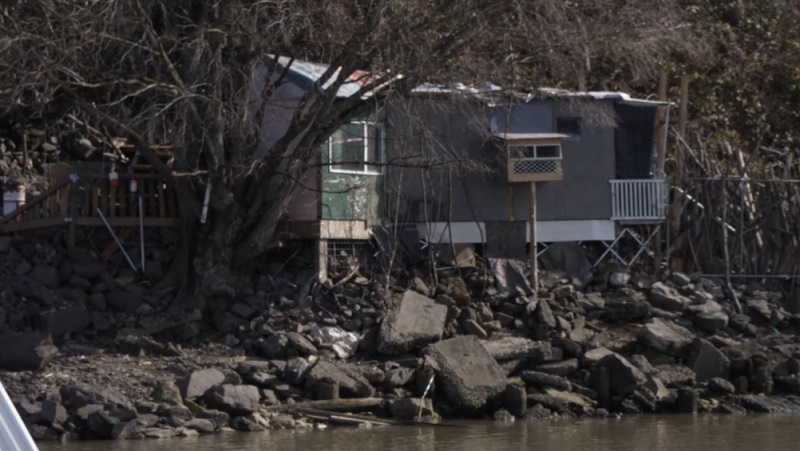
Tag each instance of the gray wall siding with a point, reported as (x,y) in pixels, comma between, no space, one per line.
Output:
(438,129)
(588,166)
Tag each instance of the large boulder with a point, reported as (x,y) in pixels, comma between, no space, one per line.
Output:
(410,408)
(124,301)
(57,322)
(199,382)
(623,376)
(592,357)
(469,377)
(235,400)
(624,309)
(32,289)
(46,275)
(665,336)
(711,321)
(74,397)
(673,375)
(706,360)
(26,351)
(416,322)
(665,297)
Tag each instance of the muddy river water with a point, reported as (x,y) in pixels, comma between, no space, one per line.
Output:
(650,433)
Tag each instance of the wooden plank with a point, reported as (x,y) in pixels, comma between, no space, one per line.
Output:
(150,205)
(20,226)
(95,196)
(162,203)
(73,212)
(103,192)
(84,203)
(63,200)
(172,200)
(123,197)
(153,199)
(112,201)
(332,404)
(127,222)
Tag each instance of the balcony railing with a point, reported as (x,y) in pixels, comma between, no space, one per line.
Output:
(534,169)
(639,200)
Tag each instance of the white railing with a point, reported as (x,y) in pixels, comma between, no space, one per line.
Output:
(639,200)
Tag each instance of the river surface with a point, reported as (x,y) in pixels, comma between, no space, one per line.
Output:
(650,433)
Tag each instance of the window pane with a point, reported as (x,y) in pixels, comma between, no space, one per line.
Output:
(520,152)
(570,126)
(374,148)
(548,151)
(347,148)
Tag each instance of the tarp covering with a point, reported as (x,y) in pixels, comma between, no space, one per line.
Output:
(634,140)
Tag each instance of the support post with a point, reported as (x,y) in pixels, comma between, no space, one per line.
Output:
(321,260)
(683,112)
(660,127)
(534,277)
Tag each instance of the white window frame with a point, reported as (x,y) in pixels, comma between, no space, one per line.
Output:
(380,142)
(532,151)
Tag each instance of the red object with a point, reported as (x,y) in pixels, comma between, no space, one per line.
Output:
(13,200)
(113,179)
(134,186)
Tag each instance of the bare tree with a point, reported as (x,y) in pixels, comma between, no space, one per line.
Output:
(202,75)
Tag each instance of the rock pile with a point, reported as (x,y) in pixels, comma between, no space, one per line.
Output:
(455,349)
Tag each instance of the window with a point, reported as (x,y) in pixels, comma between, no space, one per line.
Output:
(535,151)
(570,126)
(356,148)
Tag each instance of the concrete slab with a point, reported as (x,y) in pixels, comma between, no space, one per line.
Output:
(416,322)
(470,377)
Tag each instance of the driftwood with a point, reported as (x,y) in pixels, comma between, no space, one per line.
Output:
(346,419)
(332,404)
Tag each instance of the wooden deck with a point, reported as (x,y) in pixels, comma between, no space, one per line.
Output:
(78,201)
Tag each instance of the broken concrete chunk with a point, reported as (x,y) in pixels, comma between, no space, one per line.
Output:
(665,336)
(470,378)
(416,322)
(510,348)
(199,382)
(665,297)
(706,360)
(233,399)
(623,376)
(350,383)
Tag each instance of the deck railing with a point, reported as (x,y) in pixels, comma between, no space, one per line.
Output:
(535,169)
(642,200)
(76,201)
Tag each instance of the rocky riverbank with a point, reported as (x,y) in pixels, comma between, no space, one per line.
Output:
(92,349)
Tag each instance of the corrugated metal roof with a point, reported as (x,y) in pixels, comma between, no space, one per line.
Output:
(305,73)
(620,96)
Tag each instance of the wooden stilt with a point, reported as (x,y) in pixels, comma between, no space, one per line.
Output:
(534,277)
